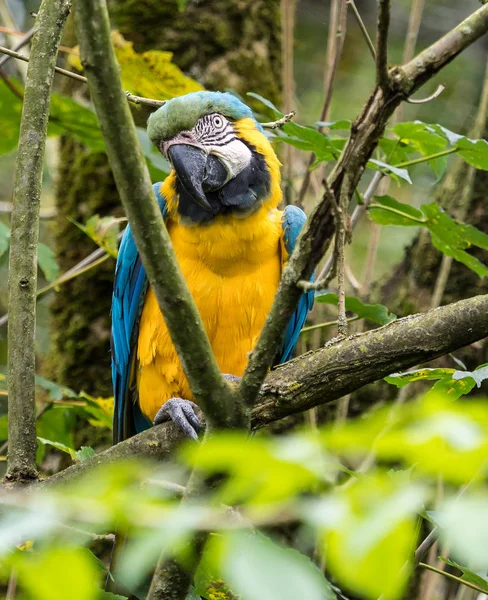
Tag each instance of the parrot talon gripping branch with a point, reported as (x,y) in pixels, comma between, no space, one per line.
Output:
(219,204)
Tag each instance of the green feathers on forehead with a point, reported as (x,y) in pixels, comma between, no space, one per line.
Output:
(181,114)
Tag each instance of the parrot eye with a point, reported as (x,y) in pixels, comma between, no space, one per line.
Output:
(217,121)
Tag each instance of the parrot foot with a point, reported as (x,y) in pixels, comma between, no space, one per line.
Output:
(182,413)
(232,378)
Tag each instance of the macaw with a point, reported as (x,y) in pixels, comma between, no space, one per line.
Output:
(220,206)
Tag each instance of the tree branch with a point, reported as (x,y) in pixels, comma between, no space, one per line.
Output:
(327,374)
(365,133)
(382,76)
(22,278)
(211,391)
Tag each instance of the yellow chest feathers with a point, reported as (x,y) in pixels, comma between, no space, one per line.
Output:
(233,268)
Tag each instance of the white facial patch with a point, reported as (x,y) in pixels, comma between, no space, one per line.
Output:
(217,136)
(235,156)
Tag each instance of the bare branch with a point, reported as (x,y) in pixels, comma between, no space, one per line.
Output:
(22,276)
(325,375)
(429,62)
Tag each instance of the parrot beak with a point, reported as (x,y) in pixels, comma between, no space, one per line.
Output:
(190,165)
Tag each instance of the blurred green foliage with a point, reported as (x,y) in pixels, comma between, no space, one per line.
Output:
(361,523)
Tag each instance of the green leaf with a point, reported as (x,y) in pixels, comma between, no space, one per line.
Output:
(58,446)
(3,427)
(478,579)
(377,313)
(260,570)
(56,392)
(46,259)
(385,210)
(373,532)
(448,236)
(287,467)
(342,124)
(421,137)
(400,173)
(304,138)
(450,382)
(266,102)
(104,231)
(463,523)
(84,452)
(4,238)
(437,435)
(10,111)
(56,424)
(308,140)
(159,167)
(474,152)
(69,117)
(403,379)
(58,574)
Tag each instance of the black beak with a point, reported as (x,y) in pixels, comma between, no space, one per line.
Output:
(197,171)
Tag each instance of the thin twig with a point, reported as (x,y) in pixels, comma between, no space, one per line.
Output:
(436,94)
(341,260)
(382,77)
(327,324)
(20,44)
(363,28)
(356,216)
(288,8)
(24,41)
(425,545)
(280,122)
(90,262)
(12,586)
(130,97)
(146,101)
(335,46)
(45,213)
(452,577)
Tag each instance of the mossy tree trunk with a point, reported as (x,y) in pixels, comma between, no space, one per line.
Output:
(224,44)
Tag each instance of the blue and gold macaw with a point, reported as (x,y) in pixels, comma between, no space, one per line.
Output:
(220,208)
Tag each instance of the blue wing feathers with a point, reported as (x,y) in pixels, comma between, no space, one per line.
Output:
(292,221)
(127,299)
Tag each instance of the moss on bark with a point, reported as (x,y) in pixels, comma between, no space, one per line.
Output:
(224,44)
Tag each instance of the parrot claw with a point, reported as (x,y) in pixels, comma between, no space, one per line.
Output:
(232,378)
(182,413)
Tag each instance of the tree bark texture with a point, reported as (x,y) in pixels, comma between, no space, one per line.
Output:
(225,44)
(22,279)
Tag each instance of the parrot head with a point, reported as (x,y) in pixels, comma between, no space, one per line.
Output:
(222,163)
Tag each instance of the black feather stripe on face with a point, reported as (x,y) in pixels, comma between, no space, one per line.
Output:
(240,196)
